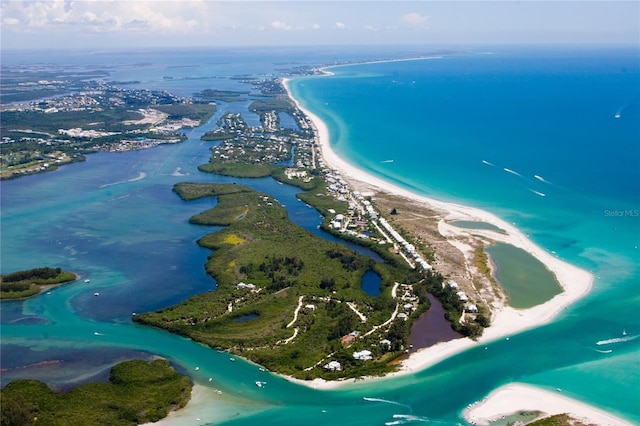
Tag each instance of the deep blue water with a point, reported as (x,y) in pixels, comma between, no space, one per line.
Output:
(535,112)
(371,283)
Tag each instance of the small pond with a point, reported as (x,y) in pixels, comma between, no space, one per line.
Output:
(244,318)
(371,283)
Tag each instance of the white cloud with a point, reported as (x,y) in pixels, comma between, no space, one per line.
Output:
(414,18)
(101,16)
(279,25)
(340,25)
(316,26)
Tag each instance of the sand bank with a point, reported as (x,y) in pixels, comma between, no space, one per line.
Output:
(506,321)
(511,398)
(207,406)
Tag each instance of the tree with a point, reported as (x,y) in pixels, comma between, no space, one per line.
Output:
(17,411)
(394,211)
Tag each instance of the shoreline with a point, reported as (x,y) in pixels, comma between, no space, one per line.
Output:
(509,399)
(575,282)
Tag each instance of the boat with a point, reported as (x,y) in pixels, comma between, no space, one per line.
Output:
(617,115)
(624,332)
(87,280)
(96,294)
(260,384)
(232,359)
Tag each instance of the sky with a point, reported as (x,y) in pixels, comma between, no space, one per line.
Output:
(26,24)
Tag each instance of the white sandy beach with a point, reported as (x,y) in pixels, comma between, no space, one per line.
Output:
(575,282)
(510,398)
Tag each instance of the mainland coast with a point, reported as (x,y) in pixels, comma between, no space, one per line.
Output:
(506,320)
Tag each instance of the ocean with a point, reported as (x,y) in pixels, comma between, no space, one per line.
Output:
(546,138)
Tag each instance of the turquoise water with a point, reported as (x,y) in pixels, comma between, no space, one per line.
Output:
(538,113)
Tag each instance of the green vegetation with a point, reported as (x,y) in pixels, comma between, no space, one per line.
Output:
(222,95)
(558,420)
(200,112)
(281,103)
(283,293)
(27,283)
(138,392)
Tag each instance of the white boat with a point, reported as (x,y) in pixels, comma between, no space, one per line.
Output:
(624,332)
(87,280)
(96,294)
(617,115)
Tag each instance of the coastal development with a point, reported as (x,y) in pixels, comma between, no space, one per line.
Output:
(84,116)
(285,298)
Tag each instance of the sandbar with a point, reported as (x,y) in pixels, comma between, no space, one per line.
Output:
(514,397)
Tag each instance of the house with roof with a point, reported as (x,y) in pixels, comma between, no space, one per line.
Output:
(333,366)
(364,355)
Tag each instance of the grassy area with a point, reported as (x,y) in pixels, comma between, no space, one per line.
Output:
(558,420)
(193,111)
(138,392)
(262,247)
(28,283)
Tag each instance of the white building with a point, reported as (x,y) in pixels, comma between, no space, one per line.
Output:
(333,366)
(241,285)
(363,355)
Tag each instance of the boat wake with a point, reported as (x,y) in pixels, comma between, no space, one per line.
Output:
(608,351)
(513,172)
(402,419)
(538,193)
(541,179)
(617,340)
(178,172)
(387,161)
(386,401)
(488,163)
(140,176)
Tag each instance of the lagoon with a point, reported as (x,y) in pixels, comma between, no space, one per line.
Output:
(525,280)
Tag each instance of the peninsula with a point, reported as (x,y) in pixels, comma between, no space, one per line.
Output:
(290,300)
